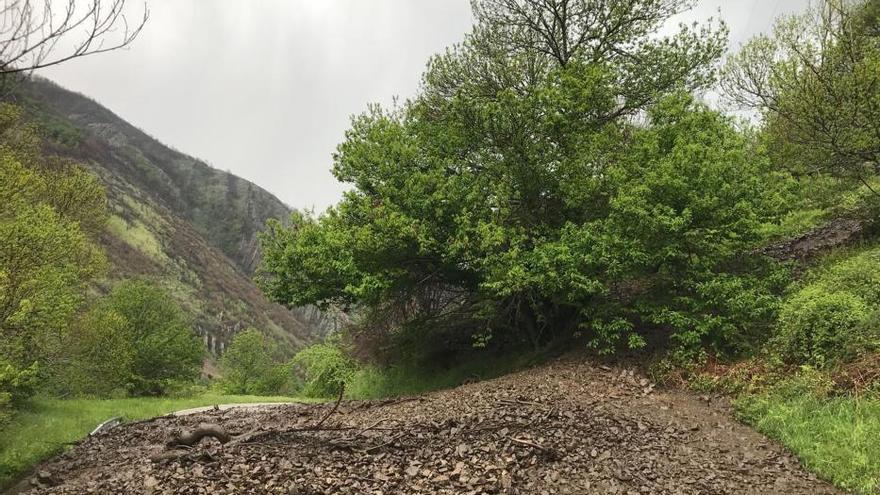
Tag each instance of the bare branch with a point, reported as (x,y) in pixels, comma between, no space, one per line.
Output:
(35,35)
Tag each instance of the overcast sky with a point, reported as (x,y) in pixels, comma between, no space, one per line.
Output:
(265,88)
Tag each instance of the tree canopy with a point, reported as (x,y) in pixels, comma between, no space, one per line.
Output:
(814,80)
(553,176)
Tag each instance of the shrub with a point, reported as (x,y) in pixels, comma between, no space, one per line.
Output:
(325,369)
(101,351)
(820,327)
(250,367)
(16,385)
(166,348)
(857,273)
(137,340)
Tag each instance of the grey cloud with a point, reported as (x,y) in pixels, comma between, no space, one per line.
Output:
(265,88)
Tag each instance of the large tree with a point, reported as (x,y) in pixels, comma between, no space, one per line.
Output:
(552,175)
(816,82)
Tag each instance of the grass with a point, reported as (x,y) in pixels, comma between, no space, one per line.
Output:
(44,427)
(838,438)
(138,236)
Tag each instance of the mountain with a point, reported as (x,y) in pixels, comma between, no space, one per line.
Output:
(174,219)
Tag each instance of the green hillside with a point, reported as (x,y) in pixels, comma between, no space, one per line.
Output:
(164,206)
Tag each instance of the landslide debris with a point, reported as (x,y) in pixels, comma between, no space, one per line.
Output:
(565,428)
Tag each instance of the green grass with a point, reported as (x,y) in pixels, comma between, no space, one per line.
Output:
(44,426)
(837,438)
(137,235)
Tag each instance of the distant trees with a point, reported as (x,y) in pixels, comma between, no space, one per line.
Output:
(554,177)
(816,82)
(36,34)
(135,341)
(251,366)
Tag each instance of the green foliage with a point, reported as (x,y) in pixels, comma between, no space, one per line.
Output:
(821,328)
(100,355)
(834,436)
(250,366)
(50,213)
(668,216)
(166,348)
(325,369)
(832,317)
(514,200)
(815,80)
(16,385)
(135,341)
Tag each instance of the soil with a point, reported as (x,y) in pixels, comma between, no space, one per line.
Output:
(569,427)
(836,233)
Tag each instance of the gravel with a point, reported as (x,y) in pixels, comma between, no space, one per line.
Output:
(570,427)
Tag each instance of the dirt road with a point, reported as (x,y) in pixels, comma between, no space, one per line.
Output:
(565,428)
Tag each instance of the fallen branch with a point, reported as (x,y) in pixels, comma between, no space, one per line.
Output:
(195,436)
(335,407)
(524,403)
(389,442)
(529,443)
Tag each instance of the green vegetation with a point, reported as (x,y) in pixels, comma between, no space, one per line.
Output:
(137,235)
(326,369)
(828,411)
(815,79)
(135,341)
(509,204)
(251,366)
(834,436)
(555,180)
(44,426)
(50,213)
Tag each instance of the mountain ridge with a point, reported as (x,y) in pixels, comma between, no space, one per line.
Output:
(173,218)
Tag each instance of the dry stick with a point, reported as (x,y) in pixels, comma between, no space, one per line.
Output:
(335,407)
(368,428)
(524,403)
(389,442)
(529,443)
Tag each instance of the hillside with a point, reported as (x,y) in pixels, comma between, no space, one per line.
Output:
(174,218)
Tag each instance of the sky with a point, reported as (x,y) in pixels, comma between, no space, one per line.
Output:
(266,88)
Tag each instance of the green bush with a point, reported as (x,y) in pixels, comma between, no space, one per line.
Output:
(166,350)
(101,352)
(16,385)
(856,272)
(136,341)
(250,366)
(325,369)
(821,327)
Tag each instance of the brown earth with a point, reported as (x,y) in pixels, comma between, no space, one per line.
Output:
(567,427)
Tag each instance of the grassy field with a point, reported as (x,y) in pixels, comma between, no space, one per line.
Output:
(45,426)
(838,438)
